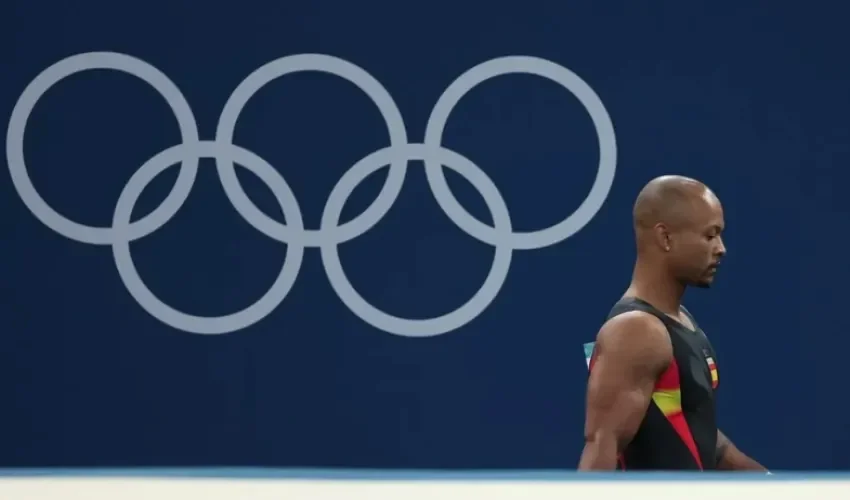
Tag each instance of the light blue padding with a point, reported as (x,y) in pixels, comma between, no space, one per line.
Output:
(588,351)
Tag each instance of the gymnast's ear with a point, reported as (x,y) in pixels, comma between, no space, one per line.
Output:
(661,236)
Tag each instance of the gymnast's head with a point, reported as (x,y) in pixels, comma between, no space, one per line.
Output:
(678,223)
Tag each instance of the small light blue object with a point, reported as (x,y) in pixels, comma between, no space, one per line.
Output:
(588,352)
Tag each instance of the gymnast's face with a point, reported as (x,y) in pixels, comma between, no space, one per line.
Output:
(695,246)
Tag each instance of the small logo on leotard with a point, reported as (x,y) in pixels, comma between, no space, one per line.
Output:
(712,367)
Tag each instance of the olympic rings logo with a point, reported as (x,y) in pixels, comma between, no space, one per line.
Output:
(330,233)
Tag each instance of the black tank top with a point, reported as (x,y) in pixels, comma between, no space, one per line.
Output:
(679,430)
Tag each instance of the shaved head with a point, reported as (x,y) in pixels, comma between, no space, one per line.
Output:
(678,221)
(667,200)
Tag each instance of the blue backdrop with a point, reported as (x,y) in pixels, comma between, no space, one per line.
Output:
(107,359)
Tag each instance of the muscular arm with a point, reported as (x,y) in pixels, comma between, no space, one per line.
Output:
(632,350)
(730,458)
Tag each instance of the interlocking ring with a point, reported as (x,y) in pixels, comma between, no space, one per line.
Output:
(330,234)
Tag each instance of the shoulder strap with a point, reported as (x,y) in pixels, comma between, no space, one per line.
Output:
(690,317)
(627,304)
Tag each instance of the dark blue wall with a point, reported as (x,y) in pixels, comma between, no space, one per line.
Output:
(752,100)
